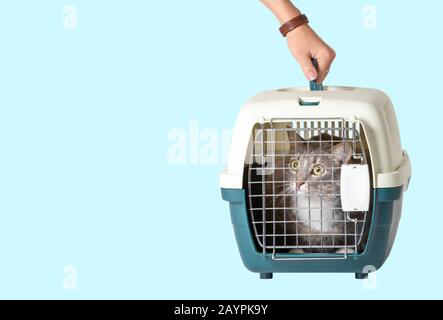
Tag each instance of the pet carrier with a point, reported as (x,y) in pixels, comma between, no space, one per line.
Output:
(315,181)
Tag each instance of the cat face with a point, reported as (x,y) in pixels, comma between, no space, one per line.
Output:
(314,165)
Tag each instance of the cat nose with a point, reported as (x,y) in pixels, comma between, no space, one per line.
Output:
(300,184)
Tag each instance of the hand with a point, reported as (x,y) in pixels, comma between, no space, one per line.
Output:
(306,45)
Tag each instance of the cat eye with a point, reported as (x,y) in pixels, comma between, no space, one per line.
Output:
(318,170)
(294,165)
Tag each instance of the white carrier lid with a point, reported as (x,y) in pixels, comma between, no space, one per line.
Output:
(373,108)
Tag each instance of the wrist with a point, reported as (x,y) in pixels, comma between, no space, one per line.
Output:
(293,24)
(288,12)
(284,10)
(301,31)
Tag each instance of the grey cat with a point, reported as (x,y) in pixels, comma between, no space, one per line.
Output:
(306,202)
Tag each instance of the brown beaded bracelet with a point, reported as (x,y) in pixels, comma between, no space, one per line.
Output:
(293,24)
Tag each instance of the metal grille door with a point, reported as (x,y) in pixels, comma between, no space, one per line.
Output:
(294,177)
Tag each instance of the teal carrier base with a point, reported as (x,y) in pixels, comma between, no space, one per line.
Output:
(386,217)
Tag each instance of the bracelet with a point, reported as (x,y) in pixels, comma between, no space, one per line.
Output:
(293,24)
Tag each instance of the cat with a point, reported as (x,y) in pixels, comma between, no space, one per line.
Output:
(306,182)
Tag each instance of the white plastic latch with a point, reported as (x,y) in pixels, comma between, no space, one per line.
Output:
(355,188)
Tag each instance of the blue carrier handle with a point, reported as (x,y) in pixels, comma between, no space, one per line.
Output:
(313,85)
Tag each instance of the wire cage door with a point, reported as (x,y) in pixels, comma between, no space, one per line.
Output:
(294,188)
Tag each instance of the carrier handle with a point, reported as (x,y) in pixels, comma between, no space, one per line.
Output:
(314,86)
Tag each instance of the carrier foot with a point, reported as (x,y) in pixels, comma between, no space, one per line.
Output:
(266,276)
(361,276)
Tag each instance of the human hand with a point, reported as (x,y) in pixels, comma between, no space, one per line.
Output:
(306,45)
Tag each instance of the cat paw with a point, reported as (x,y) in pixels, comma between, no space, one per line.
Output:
(347,250)
(296,251)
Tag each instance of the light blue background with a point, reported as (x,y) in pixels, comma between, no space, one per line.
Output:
(84,117)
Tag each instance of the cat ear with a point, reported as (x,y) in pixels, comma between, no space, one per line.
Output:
(296,142)
(343,151)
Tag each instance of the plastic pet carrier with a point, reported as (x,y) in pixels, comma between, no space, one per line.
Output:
(315,181)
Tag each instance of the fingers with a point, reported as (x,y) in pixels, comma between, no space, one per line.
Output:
(305,45)
(324,64)
(324,61)
(307,67)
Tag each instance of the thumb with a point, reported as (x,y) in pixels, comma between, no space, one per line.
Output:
(308,68)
